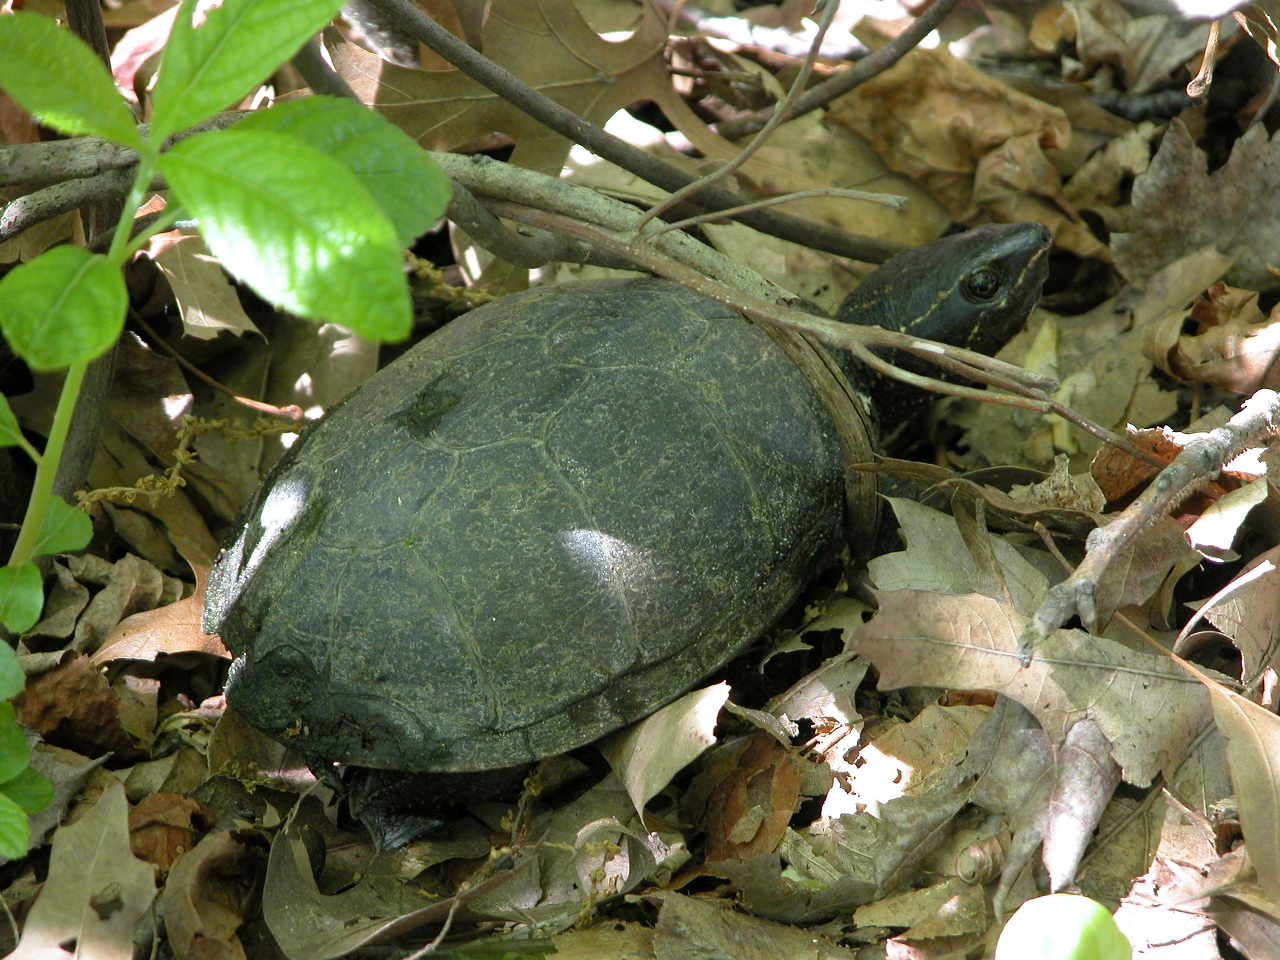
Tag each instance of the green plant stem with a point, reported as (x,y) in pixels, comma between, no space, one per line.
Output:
(162,223)
(47,463)
(141,181)
(42,489)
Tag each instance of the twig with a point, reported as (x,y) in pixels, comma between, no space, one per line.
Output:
(1198,86)
(884,199)
(741,157)
(409,20)
(530,249)
(321,77)
(1198,463)
(842,83)
(59,198)
(73,173)
(292,412)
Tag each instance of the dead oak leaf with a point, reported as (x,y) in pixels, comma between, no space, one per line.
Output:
(546,44)
(1147,48)
(1236,347)
(1178,207)
(96,893)
(1146,707)
(933,118)
(171,629)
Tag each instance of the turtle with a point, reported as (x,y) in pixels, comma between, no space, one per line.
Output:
(558,513)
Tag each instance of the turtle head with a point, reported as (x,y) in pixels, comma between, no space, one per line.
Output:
(972,290)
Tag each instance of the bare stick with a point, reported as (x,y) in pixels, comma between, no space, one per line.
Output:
(725,169)
(408,19)
(1198,463)
(842,83)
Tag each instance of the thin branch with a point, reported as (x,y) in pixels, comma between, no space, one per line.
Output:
(741,157)
(408,19)
(1199,462)
(321,77)
(890,200)
(59,198)
(842,83)
(528,249)
(852,337)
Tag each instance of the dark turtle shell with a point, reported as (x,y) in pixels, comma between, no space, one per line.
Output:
(544,521)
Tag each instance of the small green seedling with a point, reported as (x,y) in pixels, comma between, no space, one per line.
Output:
(1062,926)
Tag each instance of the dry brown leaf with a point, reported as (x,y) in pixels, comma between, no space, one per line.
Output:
(932,118)
(750,810)
(121,461)
(1236,347)
(1051,26)
(899,758)
(971,642)
(164,826)
(310,925)
(96,893)
(1249,612)
(209,893)
(1178,207)
(139,45)
(549,46)
(206,300)
(646,755)
(1085,777)
(951,908)
(1145,48)
(170,629)
(72,705)
(1121,477)
(1017,181)
(632,941)
(1253,751)
(691,927)
(65,599)
(1101,183)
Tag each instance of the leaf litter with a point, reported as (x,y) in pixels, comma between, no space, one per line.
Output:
(910,813)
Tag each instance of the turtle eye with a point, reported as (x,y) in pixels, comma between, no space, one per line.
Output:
(982,284)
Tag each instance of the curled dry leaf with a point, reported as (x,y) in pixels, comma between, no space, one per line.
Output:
(749,811)
(208,893)
(933,118)
(73,706)
(648,754)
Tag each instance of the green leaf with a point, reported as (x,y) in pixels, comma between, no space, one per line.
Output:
(66,306)
(12,679)
(15,829)
(30,789)
(409,186)
(65,529)
(56,77)
(21,596)
(295,225)
(15,753)
(10,432)
(209,67)
(1062,926)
